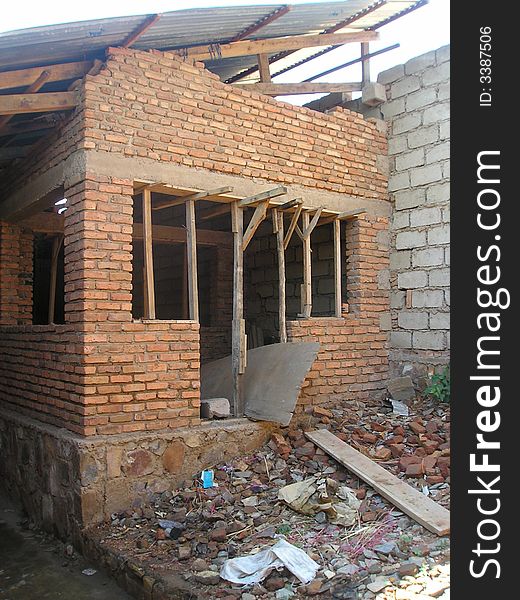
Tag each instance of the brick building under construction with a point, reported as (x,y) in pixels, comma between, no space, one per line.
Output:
(161,210)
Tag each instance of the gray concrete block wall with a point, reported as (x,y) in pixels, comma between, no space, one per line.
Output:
(417,113)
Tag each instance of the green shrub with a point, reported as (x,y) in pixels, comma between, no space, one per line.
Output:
(439,387)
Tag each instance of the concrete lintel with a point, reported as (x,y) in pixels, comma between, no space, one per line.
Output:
(116,165)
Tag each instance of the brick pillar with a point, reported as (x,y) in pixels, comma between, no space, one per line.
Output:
(98,250)
(16,272)
(367,265)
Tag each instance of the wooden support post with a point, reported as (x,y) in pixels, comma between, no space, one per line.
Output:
(278,227)
(307,271)
(191,249)
(337,267)
(56,247)
(149,289)
(238,349)
(263,68)
(365,63)
(184,285)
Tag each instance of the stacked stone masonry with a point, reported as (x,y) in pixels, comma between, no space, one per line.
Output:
(417,112)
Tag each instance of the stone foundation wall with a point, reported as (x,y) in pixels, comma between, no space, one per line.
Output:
(66,482)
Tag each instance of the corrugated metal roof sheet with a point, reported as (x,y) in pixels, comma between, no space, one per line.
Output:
(87,39)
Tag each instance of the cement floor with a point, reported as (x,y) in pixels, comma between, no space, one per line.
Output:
(34,568)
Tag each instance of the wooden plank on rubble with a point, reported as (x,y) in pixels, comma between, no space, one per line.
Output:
(416,505)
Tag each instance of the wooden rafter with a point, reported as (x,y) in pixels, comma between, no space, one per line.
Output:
(276,14)
(343,216)
(23,127)
(333,29)
(32,89)
(273,193)
(286,89)
(140,30)
(25,77)
(31,103)
(195,196)
(270,45)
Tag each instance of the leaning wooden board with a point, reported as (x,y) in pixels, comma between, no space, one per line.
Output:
(416,505)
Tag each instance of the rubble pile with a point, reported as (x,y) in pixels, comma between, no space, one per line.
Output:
(378,552)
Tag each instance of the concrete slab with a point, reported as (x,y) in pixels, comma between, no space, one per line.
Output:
(272,381)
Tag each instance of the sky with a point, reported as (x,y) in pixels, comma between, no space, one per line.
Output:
(422,30)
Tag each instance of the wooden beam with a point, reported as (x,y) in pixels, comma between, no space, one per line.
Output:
(279,227)
(257,218)
(411,501)
(263,68)
(310,227)
(140,30)
(292,226)
(365,63)
(343,216)
(149,288)
(56,247)
(218,211)
(44,102)
(197,196)
(191,248)
(285,89)
(165,234)
(291,204)
(32,89)
(238,345)
(23,127)
(272,45)
(277,191)
(307,270)
(337,268)
(25,77)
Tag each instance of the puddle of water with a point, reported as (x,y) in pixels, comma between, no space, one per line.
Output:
(33,569)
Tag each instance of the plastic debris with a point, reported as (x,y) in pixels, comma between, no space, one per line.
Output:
(314,496)
(89,571)
(399,408)
(207,479)
(247,570)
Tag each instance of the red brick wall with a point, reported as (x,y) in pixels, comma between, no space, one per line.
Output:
(353,359)
(103,373)
(155,105)
(15,275)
